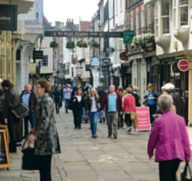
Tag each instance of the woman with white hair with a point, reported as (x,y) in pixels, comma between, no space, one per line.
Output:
(170,139)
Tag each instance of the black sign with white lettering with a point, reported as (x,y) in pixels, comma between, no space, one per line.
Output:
(37,54)
(83,34)
(8,17)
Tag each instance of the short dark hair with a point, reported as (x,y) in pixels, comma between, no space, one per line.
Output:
(6,83)
(44,84)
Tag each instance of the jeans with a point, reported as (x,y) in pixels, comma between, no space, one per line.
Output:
(57,107)
(128,121)
(168,170)
(45,167)
(66,104)
(112,118)
(31,117)
(93,116)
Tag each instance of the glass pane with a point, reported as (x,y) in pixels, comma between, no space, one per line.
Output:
(182,2)
(165,23)
(164,8)
(174,3)
(156,10)
(184,15)
(175,19)
(156,28)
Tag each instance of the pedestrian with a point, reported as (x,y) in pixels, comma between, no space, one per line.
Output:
(29,98)
(101,93)
(34,88)
(2,99)
(137,97)
(120,117)
(78,103)
(120,87)
(150,100)
(113,103)
(12,99)
(85,116)
(92,108)
(178,101)
(170,139)
(66,96)
(1,91)
(57,95)
(45,135)
(128,107)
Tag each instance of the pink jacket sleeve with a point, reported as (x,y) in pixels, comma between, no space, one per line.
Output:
(123,100)
(186,143)
(153,138)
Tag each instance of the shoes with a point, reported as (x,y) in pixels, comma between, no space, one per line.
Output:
(100,121)
(129,129)
(103,119)
(94,136)
(115,136)
(66,112)
(109,136)
(75,127)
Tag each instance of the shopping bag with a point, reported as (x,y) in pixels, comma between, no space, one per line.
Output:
(184,174)
(29,159)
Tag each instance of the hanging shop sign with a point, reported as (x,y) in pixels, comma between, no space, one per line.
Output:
(95,62)
(66,71)
(8,17)
(109,50)
(183,65)
(74,61)
(123,56)
(106,60)
(149,45)
(102,56)
(37,54)
(128,37)
(79,70)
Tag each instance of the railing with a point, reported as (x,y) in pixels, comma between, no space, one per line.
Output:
(134,2)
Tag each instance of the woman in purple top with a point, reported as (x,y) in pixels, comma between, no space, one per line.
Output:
(170,139)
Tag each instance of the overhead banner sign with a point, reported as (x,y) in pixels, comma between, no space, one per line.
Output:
(95,62)
(128,37)
(8,17)
(37,54)
(83,34)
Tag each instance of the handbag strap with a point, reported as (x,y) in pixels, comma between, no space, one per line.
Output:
(185,170)
(25,143)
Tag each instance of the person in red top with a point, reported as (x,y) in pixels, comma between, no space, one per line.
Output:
(128,107)
(120,87)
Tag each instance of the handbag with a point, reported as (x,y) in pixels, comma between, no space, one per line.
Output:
(20,111)
(29,159)
(184,174)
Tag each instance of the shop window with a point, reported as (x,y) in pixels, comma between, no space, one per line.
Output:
(143,20)
(183,12)
(174,14)
(45,61)
(157,19)
(165,16)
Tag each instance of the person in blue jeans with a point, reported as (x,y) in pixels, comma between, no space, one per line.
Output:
(67,96)
(57,95)
(29,98)
(91,107)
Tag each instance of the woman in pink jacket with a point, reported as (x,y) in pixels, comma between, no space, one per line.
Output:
(170,139)
(128,107)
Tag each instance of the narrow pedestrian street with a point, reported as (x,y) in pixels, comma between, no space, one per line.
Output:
(87,159)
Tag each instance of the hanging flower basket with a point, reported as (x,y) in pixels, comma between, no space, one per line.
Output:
(82,44)
(54,44)
(96,45)
(70,45)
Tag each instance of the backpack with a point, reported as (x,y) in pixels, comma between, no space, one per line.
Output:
(101,94)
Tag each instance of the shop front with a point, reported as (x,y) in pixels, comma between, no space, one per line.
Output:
(106,71)
(126,74)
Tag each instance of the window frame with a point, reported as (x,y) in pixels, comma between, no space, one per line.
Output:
(132,24)
(157,19)
(179,13)
(47,62)
(137,23)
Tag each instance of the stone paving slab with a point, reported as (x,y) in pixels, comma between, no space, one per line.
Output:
(87,159)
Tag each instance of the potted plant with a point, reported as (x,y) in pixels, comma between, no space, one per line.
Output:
(95,44)
(54,44)
(82,44)
(70,45)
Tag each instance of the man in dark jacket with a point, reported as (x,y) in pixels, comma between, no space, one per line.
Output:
(113,103)
(29,98)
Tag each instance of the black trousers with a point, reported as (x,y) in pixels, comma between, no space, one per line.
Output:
(45,167)
(12,146)
(168,170)
(77,118)
(152,110)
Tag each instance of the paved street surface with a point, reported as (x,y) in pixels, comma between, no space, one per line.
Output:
(87,159)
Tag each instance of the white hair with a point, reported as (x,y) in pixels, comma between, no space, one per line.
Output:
(1,80)
(165,102)
(169,86)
